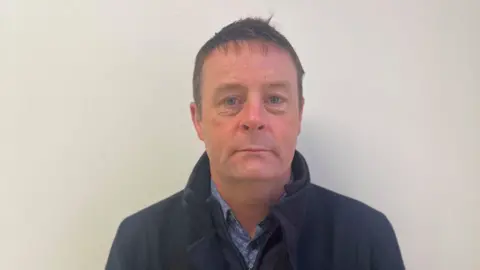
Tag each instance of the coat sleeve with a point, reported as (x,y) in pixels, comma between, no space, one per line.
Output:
(385,252)
(128,250)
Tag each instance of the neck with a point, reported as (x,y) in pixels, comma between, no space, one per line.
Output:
(250,201)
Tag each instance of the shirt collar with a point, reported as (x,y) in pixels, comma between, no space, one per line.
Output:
(218,197)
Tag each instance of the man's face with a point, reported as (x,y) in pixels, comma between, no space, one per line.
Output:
(250,111)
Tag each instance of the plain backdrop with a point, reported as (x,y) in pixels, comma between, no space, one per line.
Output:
(94,118)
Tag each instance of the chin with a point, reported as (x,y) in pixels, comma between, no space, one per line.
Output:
(255,167)
(259,173)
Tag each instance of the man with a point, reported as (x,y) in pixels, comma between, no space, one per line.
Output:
(249,202)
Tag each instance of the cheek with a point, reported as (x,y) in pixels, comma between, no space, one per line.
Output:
(286,133)
(217,132)
(216,122)
(286,127)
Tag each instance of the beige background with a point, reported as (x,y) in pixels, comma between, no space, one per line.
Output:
(94,120)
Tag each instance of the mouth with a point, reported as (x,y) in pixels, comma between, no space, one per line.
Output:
(254,150)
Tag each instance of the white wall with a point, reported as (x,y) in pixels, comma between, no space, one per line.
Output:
(94,121)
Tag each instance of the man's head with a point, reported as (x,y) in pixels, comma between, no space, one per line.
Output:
(248,101)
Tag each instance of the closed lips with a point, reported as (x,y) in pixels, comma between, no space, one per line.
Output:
(253,150)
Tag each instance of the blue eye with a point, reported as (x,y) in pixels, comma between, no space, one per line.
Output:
(274,99)
(231,101)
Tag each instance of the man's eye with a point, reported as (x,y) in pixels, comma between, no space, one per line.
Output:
(231,101)
(275,99)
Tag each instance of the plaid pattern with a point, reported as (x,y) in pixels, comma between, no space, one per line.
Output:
(248,247)
(241,239)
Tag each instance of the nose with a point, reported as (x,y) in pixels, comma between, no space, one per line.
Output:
(253,117)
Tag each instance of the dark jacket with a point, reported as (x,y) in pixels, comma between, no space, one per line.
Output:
(317,229)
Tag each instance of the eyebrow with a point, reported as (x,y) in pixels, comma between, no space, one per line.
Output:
(229,87)
(276,85)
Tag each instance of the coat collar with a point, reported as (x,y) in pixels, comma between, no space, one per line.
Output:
(199,203)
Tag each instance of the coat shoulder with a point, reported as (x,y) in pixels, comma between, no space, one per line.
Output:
(344,208)
(357,227)
(156,214)
(146,232)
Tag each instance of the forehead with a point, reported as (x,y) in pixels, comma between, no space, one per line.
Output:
(248,62)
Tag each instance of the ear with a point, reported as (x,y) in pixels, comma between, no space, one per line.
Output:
(300,113)
(196,116)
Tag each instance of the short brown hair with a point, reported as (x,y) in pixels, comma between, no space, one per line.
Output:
(251,28)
